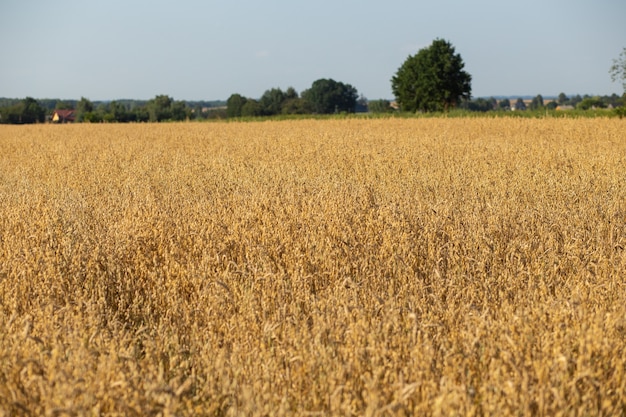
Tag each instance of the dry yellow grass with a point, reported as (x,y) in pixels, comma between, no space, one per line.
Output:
(347,267)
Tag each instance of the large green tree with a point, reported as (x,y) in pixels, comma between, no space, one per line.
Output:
(179,111)
(234,105)
(160,108)
(271,102)
(294,104)
(537,102)
(432,80)
(32,112)
(328,96)
(251,108)
(590,103)
(27,110)
(117,113)
(84,110)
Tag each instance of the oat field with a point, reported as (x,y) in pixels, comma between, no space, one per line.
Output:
(415,267)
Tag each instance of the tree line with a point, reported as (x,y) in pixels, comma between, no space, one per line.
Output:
(160,108)
(585,102)
(326,96)
(432,80)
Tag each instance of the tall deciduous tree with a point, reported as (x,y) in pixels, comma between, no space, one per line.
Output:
(251,108)
(179,111)
(31,111)
(84,110)
(432,80)
(293,104)
(272,101)
(537,102)
(234,105)
(328,96)
(159,108)
(291,93)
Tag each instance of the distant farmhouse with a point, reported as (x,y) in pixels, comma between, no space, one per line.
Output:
(63,116)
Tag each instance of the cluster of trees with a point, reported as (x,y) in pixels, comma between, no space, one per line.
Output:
(160,108)
(585,102)
(24,111)
(326,96)
(433,79)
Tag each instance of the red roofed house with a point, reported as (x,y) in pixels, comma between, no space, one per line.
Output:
(63,116)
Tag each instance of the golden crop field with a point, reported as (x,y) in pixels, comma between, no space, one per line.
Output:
(427,267)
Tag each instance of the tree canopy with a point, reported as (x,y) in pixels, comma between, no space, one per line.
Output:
(432,80)
(234,104)
(27,110)
(324,97)
(272,101)
(328,96)
(537,102)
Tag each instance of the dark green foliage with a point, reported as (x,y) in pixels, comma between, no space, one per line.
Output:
(179,111)
(296,106)
(479,104)
(234,105)
(32,112)
(552,105)
(141,114)
(327,96)
(432,80)
(271,102)
(63,105)
(504,104)
(251,108)
(163,107)
(291,93)
(26,111)
(614,100)
(590,103)
(537,102)
(159,108)
(379,106)
(575,100)
(117,113)
(84,110)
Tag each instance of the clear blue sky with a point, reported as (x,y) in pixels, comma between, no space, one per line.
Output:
(195,49)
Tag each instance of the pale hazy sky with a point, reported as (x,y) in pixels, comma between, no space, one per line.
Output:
(193,49)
